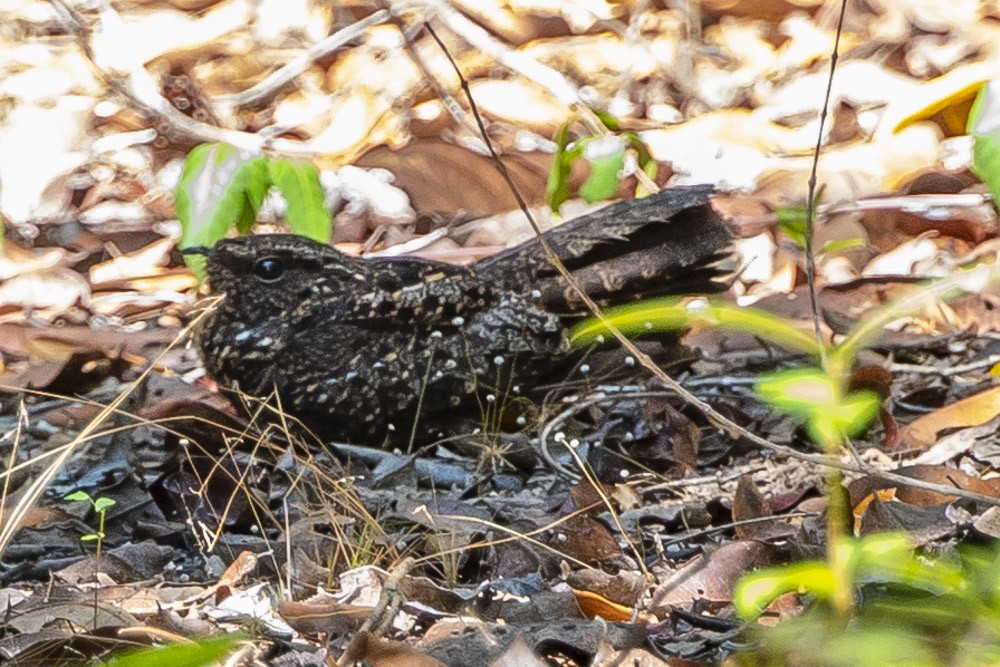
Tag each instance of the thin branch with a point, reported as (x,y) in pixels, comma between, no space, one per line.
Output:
(265,88)
(138,85)
(811,193)
(600,398)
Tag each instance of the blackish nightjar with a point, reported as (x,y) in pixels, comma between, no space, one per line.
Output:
(361,350)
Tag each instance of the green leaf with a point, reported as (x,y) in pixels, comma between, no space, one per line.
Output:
(850,417)
(557,186)
(219,189)
(103,503)
(889,558)
(842,245)
(299,184)
(639,146)
(984,126)
(253,178)
(79,496)
(205,652)
(814,397)
(650,168)
(605,172)
(89,537)
(674,314)
(799,392)
(607,120)
(755,591)
(645,160)
(792,220)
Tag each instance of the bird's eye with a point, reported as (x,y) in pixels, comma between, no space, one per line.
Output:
(269,268)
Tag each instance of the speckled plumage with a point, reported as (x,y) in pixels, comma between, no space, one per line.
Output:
(354,347)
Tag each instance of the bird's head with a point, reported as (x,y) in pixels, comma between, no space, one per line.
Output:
(274,271)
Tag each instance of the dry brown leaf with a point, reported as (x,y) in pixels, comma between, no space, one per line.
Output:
(386,653)
(44,135)
(333,619)
(474,184)
(977,409)
(58,343)
(927,15)
(758,9)
(950,94)
(744,147)
(500,18)
(15,260)
(711,577)
(596,606)
(47,295)
(935,474)
(183,5)
(145,36)
(902,260)
(521,103)
(807,43)
(885,495)
(148,261)
(177,281)
(599,60)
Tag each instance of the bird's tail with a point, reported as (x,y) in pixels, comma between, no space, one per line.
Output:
(672,242)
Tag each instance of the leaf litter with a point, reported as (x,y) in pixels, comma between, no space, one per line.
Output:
(221,524)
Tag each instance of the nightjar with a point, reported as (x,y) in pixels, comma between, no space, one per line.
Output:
(379,351)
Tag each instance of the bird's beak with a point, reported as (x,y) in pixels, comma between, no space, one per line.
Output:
(204,251)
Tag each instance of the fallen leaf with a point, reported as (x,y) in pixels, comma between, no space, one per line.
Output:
(975,410)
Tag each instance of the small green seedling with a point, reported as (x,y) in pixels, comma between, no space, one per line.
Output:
(984,127)
(100,505)
(222,189)
(201,653)
(605,153)
(817,395)
(916,610)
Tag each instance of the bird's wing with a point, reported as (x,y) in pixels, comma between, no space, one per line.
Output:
(401,294)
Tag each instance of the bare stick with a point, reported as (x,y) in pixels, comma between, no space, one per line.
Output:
(139,86)
(265,88)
